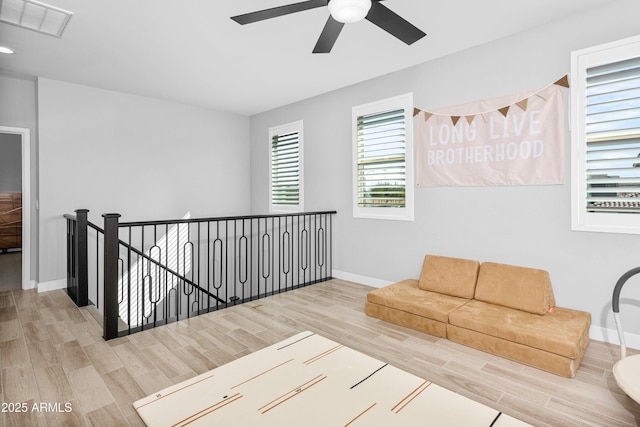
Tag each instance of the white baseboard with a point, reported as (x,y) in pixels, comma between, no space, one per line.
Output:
(611,336)
(52,285)
(369,281)
(31,284)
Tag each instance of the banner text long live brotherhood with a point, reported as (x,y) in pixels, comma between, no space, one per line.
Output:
(523,147)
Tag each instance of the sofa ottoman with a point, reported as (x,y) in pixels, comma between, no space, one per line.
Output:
(405,304)
(502,309)
(513,315)
(445,284)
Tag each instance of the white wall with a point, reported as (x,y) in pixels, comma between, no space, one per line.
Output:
(18,110)
(143,158)
(527,226)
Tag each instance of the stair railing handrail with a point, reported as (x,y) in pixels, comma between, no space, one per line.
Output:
(156,262)
(77,270)
(192,221)
(220,218)
(111,250)
(83,283)
(159,264)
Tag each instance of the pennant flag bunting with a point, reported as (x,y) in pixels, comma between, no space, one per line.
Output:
(540,96)
(520,143)
(563,81)
(523,104)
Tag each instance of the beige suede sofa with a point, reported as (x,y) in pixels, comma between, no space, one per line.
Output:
(498,308)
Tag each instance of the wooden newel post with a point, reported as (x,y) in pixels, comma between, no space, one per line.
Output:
(111,255)
(82,293)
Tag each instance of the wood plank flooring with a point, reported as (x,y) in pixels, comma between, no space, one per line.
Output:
(52,353)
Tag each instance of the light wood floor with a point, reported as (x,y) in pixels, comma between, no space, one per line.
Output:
(52,352)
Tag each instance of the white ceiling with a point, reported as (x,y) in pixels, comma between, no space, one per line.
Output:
(189,51)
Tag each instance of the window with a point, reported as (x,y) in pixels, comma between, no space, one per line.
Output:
(286,183)
(383,159)
(605,129)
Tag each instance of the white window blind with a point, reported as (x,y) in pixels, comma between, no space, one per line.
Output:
(286,167)
(381,159)
(606,136)
(613,137)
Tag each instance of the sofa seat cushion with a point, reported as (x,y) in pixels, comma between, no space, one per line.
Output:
(451,276)
(406,319)
(561,332)
(523,288)
(537,358)
(407,296)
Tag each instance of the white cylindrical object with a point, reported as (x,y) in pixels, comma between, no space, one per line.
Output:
(348,11)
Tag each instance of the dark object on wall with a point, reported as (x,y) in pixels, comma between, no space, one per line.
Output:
(10,221)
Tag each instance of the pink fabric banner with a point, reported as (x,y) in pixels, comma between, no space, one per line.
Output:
(515,140)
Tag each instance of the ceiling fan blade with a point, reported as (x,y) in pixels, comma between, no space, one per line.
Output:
(392,23)
(328,36)
(274,12)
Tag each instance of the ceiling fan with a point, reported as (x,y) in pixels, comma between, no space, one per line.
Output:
(342,12)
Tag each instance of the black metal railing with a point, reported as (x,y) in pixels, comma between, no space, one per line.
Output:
(157,272)
(85,244)
(77,269)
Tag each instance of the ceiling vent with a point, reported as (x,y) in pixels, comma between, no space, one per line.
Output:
(35,16)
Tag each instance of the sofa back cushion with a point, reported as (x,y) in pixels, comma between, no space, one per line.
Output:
(450,276)
(522,288)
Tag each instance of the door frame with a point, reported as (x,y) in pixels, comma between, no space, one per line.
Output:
(25,136)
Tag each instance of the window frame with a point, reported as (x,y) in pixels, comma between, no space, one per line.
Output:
(405,213)
(581,60)
(284,129)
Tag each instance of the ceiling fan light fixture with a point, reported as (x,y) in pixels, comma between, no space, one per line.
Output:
(349,11)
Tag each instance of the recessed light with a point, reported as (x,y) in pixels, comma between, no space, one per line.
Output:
(6,50)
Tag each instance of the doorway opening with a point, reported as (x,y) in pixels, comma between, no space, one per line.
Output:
(15,208)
